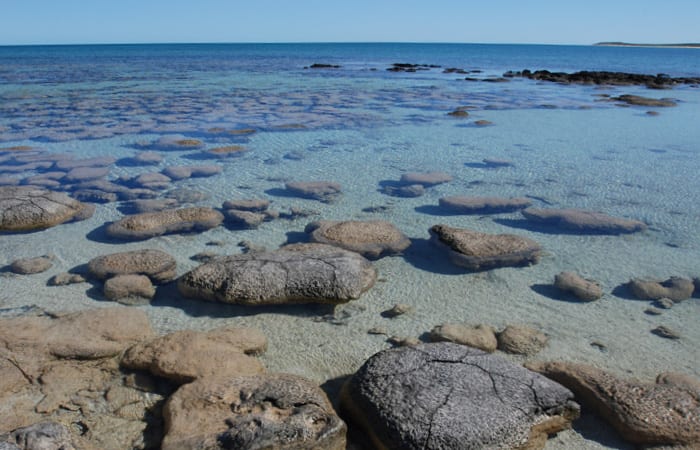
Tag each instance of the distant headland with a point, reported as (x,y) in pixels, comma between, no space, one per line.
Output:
(627,44)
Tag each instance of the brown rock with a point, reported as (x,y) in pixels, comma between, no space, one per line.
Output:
(184,356)
(483,205)
(325,191)
(479,336)
(272,411)
(645,101)
(65,278)
(481,251)
(583,221)
(254,205)
(26,266)
(155,181)
(155,264)
(372,239)
(129,289)
(398,309)
(244,219)
(183,172)
(643,413)
(228,151)
(28,208)
(425,179)
(586,290)
(675,288)
(521,340)
(148,225)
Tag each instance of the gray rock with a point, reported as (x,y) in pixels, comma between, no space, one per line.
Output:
(148,225)
(94,196)
(99,162)
(184,195)
(80,174)
(42,436)
(481,251)
(147,158)
(581,288)
(183,172)
(447,396)
(129,289)
(675,288)
(425,179)
(583,221)
(253,205)
(27,208)
(26,266)
(153,181)
(155,264)
(483,205)
(175,143)
(151,205)
(273,411)
(324,191)
(372,239)
(297,273)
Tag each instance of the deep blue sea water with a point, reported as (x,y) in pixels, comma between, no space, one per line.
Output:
(363,127)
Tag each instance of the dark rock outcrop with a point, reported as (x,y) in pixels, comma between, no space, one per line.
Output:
(448,396)
(604,78)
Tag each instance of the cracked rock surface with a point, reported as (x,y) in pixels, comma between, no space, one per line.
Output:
(28,208)
(297,273)
(448,396)
(272,411)
(372,239)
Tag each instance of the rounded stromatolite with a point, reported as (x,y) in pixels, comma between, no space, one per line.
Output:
(28,208)
(372,239)
(155,264)
(297,273)
(480,251)
(583,221)
(148,225)
(449,396)
(579,287)
(483,205)
(324,191)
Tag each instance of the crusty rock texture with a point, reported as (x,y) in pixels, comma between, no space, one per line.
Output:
(583,221)
(129,289)
(581,288)
(643,413)
(273,411)
(155,264)
(28,266)
(297,273)
(28,208)
(521,340)
(675,288)
(372,239)
(449,396)
(148,225)
(184,356)
(481,251)
(479,336)
(483,205)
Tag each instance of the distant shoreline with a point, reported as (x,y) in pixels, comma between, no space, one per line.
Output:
(627,44)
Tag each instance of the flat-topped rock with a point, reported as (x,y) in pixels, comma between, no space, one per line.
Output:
(638,100)
(151,205)
(147,158)
(643,413)
(253,205)
(604,78)
(176,142)
(297,273)
(521,340)
(483,205)
(27,266)
(425,179)
(271,411)
(228,151)
(581,288)
(148,225)
(129,289)
(154,181)
(70,164)
(28,208)
(184,356)
(183,172)
(80,174)
(325,191)
(583,221)
(155,264)
(447,396)
(480,251)
(372,239)
(675,288)
(479,336)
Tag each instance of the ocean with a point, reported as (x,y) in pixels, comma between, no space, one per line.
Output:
(363,126)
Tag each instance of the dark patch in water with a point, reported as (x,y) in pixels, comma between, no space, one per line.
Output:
(423,255)
(554,293)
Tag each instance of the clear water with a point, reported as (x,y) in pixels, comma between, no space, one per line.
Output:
(362,126)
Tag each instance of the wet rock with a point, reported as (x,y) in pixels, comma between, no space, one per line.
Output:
(184,356)
(483,205)
(250,412)
(151,205)
(372,239)
(43,436)
(324,191)
(148,225)
(410,191)
(98,162)
(27,266)
(153,181)
(204,257)
(458,113)
(27,208)
(228,151)
(603,78)
(495,163)
(643,413)
(483,123)
(645,101)
(297,273)
(479,336)
(94,196)
(666,332)
(253,205)
(183,172)
(175,143)
(447,396)
(80,174)
(583,221)
(155,264)
(581,288)
(481,251)
(425,179)
(65,278)
(147,159)
(244,219)
(675,288)
(184,195)
(129,289)
(398,309)
(521,340)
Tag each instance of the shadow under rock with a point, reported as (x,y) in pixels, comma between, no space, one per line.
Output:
(297,237)
(168,296)
(422,254)
(554,293)
(435,210)
(623,291)
(357,438)
(280,192)
(593,428)
(524,224)
(99,234)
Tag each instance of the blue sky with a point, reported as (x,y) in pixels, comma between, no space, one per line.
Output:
(504,21)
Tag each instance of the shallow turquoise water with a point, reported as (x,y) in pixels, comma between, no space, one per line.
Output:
(362,126)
